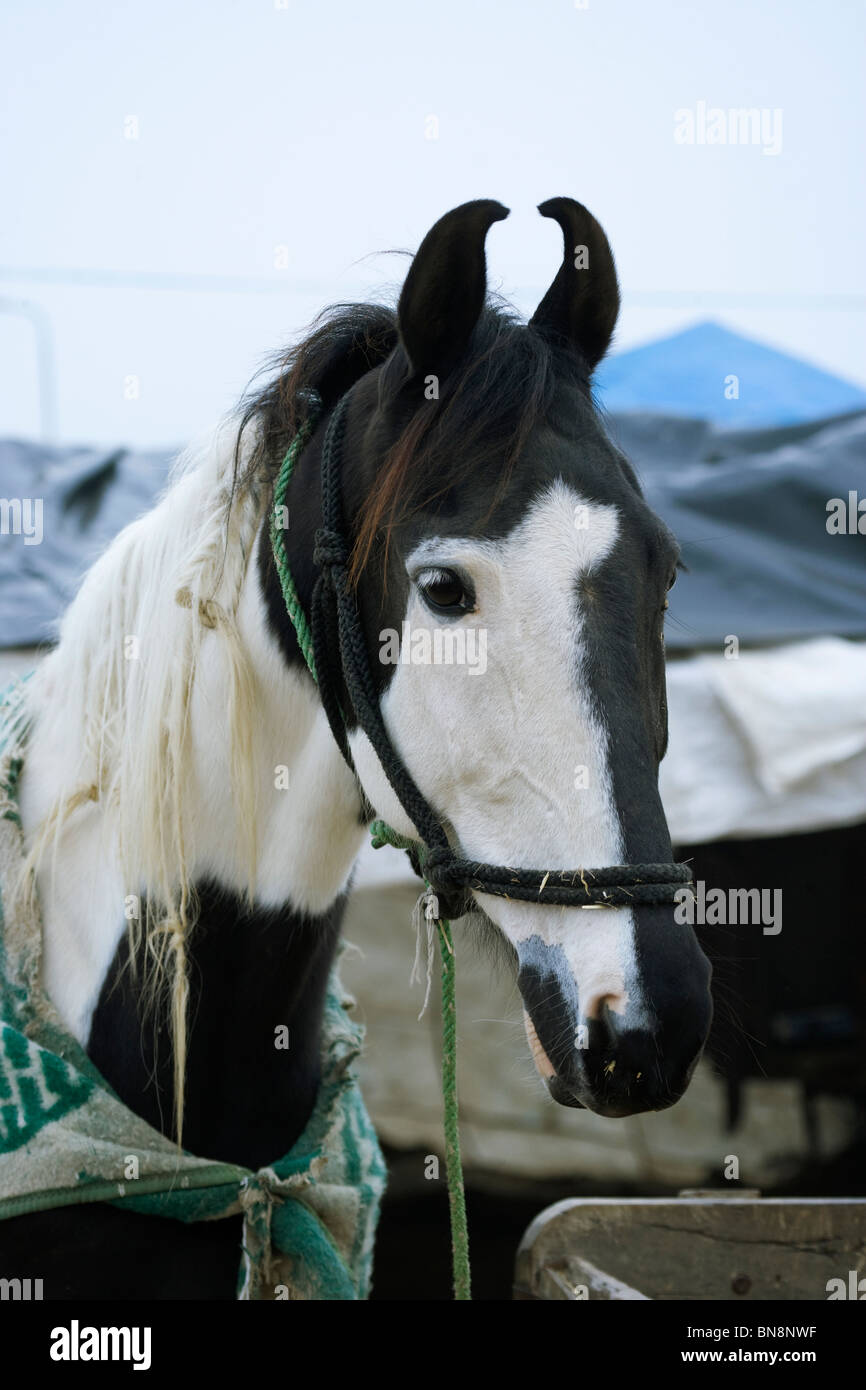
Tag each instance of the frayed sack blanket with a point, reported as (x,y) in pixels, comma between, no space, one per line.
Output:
(309,1218)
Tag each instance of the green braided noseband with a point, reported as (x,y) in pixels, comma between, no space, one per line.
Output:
(383,834)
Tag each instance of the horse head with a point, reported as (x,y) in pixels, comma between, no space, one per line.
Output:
(511,582)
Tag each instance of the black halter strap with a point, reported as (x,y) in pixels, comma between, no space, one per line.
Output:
(341,657)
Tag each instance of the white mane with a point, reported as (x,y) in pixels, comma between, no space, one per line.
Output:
(117,692)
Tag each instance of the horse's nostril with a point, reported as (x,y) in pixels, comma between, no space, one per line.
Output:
(601,1003)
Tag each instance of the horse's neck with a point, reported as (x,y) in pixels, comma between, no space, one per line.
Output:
(253,970)
(257,984)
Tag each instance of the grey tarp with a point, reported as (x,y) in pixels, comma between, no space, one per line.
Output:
(87,496)
(749,509)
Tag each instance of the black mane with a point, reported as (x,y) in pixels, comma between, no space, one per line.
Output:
(488,403)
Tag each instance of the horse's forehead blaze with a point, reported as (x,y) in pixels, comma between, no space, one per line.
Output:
(515,756)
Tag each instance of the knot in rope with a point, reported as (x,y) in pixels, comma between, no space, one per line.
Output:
(330,551)
(446,876)
(441,864)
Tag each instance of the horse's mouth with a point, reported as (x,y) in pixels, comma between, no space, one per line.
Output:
(562,1095)
(609,1110)
(578,1097)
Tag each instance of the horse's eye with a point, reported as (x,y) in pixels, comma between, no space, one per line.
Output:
(671,582)
(444,591)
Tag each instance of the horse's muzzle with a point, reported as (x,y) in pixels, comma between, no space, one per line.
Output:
(621,1061)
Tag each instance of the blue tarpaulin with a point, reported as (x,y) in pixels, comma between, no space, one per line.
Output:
(709,373)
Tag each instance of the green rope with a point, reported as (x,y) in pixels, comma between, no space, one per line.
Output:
(453,1163)
(278,546)
(382,834)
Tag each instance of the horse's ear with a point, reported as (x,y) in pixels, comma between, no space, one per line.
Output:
(443,294)
(582,304)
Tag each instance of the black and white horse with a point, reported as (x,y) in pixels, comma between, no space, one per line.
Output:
(481,492)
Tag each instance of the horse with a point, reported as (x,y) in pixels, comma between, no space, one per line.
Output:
(481,491)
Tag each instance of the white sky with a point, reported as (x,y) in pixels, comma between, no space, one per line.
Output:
(304,127)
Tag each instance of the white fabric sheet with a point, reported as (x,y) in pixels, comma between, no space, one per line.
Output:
(770,743)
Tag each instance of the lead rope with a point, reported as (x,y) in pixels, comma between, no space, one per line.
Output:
(383,834)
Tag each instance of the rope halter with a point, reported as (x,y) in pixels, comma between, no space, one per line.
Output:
(334,648)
